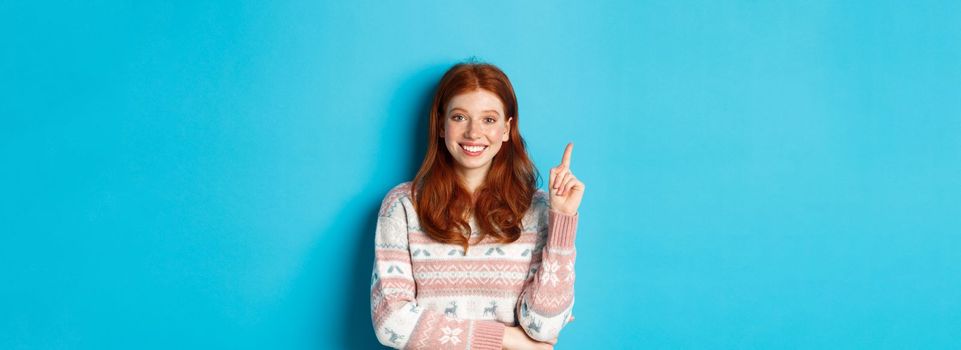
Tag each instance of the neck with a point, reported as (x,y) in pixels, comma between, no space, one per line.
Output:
(473,178)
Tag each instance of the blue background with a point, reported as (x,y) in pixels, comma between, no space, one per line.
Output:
(206,174)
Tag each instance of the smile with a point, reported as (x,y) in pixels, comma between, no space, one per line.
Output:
(473,150)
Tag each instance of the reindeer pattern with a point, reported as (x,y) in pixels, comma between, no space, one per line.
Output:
(534,326)
(451,310)
(491,309)
(394,337)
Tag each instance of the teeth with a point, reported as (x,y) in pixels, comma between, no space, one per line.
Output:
(473,148)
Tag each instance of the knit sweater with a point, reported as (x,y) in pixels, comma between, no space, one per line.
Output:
(430,295)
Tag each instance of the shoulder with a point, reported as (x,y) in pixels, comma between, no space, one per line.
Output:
(401,190)
(540,199)
(540,203)
(536,217)
(394,198)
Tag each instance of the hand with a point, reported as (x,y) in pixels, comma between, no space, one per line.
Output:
(566,190)
(516,339)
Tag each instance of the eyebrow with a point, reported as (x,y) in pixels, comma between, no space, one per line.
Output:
(465,111)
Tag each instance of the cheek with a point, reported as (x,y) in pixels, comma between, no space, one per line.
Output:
(453,130)
(450,138)
(495,135)
(448,132)
(496,132)
(501,132)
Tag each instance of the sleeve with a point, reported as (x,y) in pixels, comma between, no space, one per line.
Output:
(398,321)
(545,303)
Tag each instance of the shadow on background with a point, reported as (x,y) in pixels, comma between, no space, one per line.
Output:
(409,138)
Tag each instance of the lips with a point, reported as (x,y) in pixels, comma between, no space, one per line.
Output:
(473,150)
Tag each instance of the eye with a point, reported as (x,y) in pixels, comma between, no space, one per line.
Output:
(489,120)
(457,117)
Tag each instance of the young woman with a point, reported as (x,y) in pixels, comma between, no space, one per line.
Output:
(470,255)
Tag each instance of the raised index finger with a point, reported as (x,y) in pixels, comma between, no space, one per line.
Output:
(566,161)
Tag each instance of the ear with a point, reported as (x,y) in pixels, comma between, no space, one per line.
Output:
(507,130)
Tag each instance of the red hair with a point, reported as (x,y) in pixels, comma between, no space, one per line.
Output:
(442,202)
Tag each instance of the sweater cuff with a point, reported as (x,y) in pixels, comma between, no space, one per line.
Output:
(488,335)
(562,229)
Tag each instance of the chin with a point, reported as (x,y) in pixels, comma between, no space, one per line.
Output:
(473,164)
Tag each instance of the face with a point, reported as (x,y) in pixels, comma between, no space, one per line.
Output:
(474,128)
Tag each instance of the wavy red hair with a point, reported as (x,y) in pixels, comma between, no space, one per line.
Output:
(442,202)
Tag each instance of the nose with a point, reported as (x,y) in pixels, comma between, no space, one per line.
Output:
(472,131)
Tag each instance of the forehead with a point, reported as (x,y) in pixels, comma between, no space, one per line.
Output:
(477,101)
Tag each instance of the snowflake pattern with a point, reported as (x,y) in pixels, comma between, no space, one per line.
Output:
(549,273)
(570,275)
(450,335)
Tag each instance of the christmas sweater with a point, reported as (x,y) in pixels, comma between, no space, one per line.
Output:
(429,295)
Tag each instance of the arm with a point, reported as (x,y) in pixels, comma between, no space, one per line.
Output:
(545,303)
(547,299)
(398,321)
